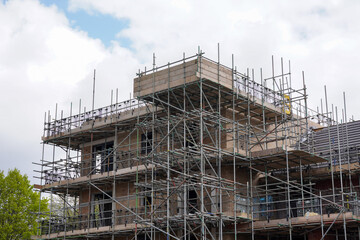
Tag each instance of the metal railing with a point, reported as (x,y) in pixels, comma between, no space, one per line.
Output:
(64,125)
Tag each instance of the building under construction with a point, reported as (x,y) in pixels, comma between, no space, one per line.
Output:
(202,152)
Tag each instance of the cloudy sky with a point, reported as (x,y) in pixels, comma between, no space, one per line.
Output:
(49,48)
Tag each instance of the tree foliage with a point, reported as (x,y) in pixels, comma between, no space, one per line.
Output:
(18,206)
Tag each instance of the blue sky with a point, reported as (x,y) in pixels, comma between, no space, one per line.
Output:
(97,25)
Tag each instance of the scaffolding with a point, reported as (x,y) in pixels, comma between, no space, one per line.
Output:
(203,151)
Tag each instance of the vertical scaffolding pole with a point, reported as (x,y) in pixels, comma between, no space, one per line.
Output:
(153,109)
(306,112)
(330,147)
(114,184)
(52,172)
(302,188)
(286,147)
(347,142)
(39,231)
(67,171)
(185,147)
(202,164)
(168,160)
(234,144)
(321,216)
(248,155)
(93,95)
(340,169)
(219,145)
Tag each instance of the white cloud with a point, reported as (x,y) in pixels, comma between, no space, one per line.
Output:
(70,56)
(44,61)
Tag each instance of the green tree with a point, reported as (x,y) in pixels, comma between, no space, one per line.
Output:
(18,206)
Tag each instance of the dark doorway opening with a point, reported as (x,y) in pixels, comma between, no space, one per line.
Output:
(192,201)
(102,210)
